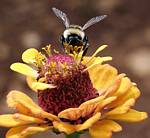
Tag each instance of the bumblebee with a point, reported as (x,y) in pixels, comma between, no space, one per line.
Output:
(74,37)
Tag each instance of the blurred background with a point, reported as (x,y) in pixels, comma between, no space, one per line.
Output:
(31,23)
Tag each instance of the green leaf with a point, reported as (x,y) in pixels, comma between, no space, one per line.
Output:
(74,135)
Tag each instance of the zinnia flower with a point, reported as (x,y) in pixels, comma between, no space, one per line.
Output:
(75,94)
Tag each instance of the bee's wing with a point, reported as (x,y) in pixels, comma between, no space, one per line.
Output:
(62,16)
(93,21)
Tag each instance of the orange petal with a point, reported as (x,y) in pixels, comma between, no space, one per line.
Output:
(104,129)
(64,127)
(71,113)
(84,109)
(104,103)
(130,116)
(88,123)
(122,108)
(24,131)
(103,76)
(92,101)
(47,115)
(89,107)
(16,99)
(69,129)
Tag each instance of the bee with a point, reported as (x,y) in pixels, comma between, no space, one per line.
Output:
(74,35)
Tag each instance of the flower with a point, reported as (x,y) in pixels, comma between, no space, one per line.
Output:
(75,93)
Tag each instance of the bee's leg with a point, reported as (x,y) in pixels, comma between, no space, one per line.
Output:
(85,49)
(85,45)
(62,40)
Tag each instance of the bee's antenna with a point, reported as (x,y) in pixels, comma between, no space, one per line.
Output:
(61,15)
(93,21)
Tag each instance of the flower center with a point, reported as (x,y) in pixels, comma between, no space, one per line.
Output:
(73,85)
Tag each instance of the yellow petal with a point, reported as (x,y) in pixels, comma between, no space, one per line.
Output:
(12,103)
(30,81)
(28,119)
(64,127)
(9,121)
(42,86)
(115,86)
(29,55)
(35,129)
(38,85)
(94,60)
(85,59)
(15,132)
(130,116)
(24,69)
(122,108)
(124,86)
(88,123)
(103,76)
(104,129)
(97,61)
(12,120)
(96,52)
(133,92)
(24,131)
(16,98)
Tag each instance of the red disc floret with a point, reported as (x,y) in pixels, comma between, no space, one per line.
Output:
(73,88)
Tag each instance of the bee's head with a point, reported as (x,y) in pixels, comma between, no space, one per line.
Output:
(74,35)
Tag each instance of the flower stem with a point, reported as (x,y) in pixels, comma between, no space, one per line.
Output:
(74,135)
